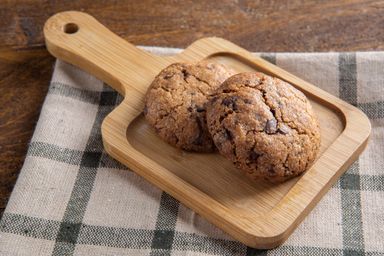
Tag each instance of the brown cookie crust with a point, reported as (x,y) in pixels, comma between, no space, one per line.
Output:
(264,125)
(175,103)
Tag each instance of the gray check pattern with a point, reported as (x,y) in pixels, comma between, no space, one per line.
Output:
(71,198)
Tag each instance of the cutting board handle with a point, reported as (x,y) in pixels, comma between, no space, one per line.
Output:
(81,40)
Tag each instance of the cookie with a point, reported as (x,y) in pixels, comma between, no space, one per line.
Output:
(175,103)
(265,126)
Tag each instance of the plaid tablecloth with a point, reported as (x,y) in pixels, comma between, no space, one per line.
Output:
(71,198)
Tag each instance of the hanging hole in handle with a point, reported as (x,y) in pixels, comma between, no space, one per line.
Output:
(71,28)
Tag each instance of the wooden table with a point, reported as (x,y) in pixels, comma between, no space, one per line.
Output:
(263,26)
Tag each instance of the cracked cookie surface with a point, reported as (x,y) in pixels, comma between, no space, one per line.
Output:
(264,125)
(175,103)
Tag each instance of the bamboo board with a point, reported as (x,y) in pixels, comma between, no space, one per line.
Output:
(258,214)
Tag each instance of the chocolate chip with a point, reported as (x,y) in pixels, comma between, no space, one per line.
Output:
(247,101)
(271,126)
(190,109)
(200,109)
(283,129)
(185,75)
(230,102)
(253,156)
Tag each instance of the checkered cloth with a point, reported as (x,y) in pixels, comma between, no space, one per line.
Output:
(71,198)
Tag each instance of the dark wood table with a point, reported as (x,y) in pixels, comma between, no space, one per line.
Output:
(263,26)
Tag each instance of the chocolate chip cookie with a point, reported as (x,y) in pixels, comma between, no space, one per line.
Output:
(175,103)
(264,125)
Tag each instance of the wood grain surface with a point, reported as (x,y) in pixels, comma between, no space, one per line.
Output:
(26,67)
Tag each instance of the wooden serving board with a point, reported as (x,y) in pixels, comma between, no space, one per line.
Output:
(258,214)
